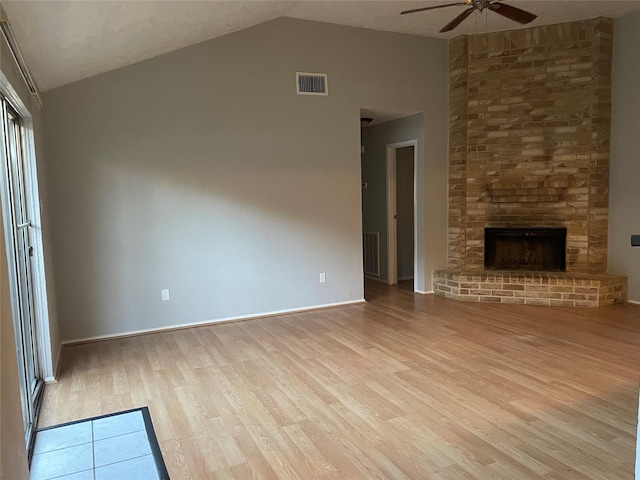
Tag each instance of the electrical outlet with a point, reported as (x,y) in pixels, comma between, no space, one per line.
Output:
(323,277)
(635,240)
(165,294)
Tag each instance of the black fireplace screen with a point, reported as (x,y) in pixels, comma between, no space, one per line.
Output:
(541,249)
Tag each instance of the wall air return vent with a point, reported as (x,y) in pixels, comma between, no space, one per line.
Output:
(311,83)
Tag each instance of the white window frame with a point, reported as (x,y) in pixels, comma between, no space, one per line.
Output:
(40,299)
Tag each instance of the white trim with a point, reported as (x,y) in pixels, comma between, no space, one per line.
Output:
(392,230)
(14,48)
(10,93)
(633,302)
(428,292)
(54,377)
(213,322)
(40,300)
(637,475)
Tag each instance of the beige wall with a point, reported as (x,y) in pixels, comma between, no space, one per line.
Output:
(624,198)
(202,171)
(13,456)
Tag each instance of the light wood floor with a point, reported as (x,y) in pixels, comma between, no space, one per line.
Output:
(404,387)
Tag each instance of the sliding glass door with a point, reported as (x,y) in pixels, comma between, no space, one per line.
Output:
(18,237)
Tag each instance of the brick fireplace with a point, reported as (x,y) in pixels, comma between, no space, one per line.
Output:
(529,129)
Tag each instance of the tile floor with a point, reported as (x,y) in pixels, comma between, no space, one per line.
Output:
(113,447)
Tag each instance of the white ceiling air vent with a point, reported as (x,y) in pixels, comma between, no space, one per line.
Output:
(311,83)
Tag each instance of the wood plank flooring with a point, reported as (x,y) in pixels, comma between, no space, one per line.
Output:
(403,387)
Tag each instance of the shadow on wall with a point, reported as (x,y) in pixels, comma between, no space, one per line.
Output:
(228,233)
(202,172)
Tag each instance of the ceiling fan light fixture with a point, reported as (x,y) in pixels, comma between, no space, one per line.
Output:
(512,13)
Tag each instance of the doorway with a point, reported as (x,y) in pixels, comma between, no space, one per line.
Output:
(381,139)
(401,211)
(20,209)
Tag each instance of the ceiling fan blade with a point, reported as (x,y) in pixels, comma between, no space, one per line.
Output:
(457,21)
(432,8)
(512,13)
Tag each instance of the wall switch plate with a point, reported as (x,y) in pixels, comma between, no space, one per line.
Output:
(165,294)
(635,240)
(323,278)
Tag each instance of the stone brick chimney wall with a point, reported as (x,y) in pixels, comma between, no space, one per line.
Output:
(529,123)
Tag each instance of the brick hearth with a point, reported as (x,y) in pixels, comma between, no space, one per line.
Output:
(529,130)
(531,288)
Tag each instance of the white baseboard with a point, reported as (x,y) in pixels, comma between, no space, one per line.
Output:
(425,292)
(210,322)
(54,377)
(633,302)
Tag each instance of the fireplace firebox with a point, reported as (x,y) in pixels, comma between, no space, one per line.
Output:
(537,249)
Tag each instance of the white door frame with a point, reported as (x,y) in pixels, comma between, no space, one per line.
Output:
(40,300)
(392,225)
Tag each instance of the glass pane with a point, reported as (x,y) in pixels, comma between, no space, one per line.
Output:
(18,252)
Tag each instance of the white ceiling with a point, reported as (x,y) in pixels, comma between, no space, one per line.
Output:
(64,41)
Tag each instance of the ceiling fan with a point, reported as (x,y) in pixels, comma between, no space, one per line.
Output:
(512,13)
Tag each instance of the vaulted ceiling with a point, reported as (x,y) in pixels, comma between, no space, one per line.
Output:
(64,41)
